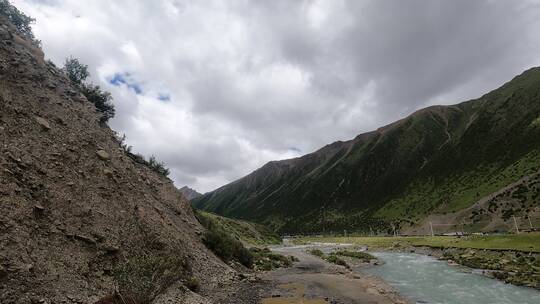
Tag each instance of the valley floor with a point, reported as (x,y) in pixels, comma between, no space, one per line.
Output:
(315,281)
(526,242)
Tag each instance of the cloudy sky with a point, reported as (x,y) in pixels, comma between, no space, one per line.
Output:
(217,88)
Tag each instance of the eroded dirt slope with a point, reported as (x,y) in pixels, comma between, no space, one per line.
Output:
(73,206)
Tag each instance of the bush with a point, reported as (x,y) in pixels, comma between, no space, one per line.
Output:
(266,260)
(152,163)
(332,258)
(158,166)
(336,260)
(77,73)
(223,244)
(141,278)
(316,252)
(364,256)
(226,247)
(21,21)
(101,100)
(193,284)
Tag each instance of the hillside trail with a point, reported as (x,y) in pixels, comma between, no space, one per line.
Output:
(312,280)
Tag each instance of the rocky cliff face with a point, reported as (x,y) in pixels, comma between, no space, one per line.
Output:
(438,160)
(79,219)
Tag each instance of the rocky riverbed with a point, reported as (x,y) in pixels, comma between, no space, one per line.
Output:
(313,280)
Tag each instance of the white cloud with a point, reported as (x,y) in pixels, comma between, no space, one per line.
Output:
(245,82)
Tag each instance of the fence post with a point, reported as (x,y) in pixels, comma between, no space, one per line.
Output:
(515,224)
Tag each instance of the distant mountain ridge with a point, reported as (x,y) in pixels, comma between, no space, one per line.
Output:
(438,160)
(189,193)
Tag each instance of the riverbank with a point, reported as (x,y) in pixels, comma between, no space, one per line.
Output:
(529,242)
(316,281)
(514,259)
(426,279)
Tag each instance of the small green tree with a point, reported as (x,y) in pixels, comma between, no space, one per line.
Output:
(158,166)
(101,99)
(21,21)
(77,73)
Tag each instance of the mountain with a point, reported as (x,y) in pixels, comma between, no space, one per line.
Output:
(80,219)
(189,193)
(438,161)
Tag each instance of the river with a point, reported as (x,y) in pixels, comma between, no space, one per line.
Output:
(425,279)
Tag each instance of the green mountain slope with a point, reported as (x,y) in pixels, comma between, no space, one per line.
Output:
(250,234)
(438,160)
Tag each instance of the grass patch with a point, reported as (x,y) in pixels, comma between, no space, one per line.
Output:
(223,244)
(332,258)
(316,252)
(523,242)
(363,256)
(193,283)
(247,232)
(265,260)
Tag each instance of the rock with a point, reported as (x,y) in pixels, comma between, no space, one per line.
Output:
(43,123)
(85,239)
(27,267)
(103,155)
(111,249)
(39,209)
(108,173)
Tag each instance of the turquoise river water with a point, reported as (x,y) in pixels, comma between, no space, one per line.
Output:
(425,279)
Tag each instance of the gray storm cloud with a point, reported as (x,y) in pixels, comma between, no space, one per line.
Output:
(253,81)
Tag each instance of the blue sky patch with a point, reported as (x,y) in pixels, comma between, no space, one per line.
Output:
(164,97)
(125,79)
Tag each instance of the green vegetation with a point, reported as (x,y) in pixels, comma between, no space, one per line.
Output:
(517,268)
(363,256)
(459,191)
(193,284)
(22,22)
(247,232)
(265,260)
(78,75)
(522,242)
(152,162)
(331,258)
(225,237)
(141,278)
(316,252)
(223,244)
